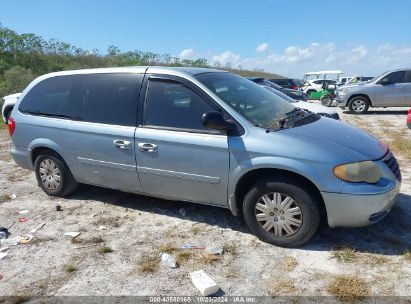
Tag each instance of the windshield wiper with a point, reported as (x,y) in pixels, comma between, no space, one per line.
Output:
(292,116)
(47,114)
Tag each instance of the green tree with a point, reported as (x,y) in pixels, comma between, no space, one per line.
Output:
(16,79)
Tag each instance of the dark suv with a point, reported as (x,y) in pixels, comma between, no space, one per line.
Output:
(294,94)
(286,83)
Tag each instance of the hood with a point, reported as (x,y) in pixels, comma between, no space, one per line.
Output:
(352,85)
(314,107)
(325,141)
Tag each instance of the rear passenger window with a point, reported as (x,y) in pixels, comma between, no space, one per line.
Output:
(107,98)
(173,105)
(408,77)
(101,98)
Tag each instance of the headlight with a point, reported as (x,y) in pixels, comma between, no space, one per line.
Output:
(366,171)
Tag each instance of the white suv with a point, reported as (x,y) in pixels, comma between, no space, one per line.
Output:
(8,103)
(316,85)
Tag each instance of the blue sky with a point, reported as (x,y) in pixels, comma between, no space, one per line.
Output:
(288,37)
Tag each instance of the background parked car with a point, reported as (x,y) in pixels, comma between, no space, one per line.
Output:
(316,85)
(8,103)
(294,94)
(286,83)
(390,89)
(310,106)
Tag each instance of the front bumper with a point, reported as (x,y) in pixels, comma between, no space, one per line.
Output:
(357,210)
(341,100)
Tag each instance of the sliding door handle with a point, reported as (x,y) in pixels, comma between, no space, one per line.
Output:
(147,147)
(122,144)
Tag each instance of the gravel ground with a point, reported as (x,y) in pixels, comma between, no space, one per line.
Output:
(138,228)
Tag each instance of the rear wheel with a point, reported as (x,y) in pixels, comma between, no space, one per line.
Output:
(326,100)
(359,105)
(53,175)
(281,212)
(7,115)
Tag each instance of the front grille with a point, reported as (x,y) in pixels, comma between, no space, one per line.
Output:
(392,163)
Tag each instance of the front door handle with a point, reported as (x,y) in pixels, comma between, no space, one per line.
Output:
(146,147)
(122,144)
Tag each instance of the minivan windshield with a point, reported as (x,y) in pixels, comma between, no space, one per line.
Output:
(253,101)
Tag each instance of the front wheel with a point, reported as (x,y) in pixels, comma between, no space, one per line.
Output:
(359,105)
(281,212)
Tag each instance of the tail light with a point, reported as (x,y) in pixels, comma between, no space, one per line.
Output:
(12,126)
(409,116)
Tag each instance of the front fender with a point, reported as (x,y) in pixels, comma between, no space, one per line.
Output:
(319,174)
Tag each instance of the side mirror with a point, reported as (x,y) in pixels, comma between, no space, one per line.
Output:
(215,121)
(384,81)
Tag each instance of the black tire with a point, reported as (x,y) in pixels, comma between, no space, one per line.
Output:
(309,93)
(358,105)
(310,211)
(67,183)
(327,100)
(7,114)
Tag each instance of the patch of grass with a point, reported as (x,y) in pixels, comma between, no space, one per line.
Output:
(105,249)
(4,198)
(206,258)
(349,287)
(231,249)
(168,248)
(280,287)
(196,230)
(401,145)
(230,273)
(40,239)
(148,264)
(375,259)
(289,263)
(91,240)
(183,256)
(407,256)
(114,221)
(70,268)
(344,254)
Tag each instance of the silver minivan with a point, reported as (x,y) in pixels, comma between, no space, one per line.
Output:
(204,136)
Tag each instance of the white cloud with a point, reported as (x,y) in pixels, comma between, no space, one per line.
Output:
(187,54)
(226,58)
(295,60)
(262,47)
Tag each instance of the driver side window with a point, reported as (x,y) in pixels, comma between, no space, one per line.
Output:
(396,77)
(170,104)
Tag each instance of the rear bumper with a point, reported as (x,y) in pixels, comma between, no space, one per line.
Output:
(22,157)
(357,210)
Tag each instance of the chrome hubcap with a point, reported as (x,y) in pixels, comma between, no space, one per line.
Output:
(50,174)
(358,105)
(278,214)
